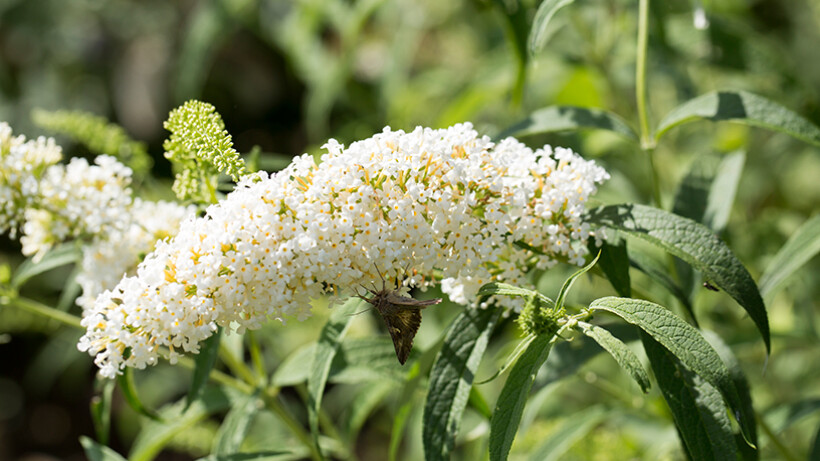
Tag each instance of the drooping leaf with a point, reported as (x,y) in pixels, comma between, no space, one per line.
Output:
(742,107)
(546,10)
(802,246)
(235,427)
(326,348)
(67,253)
(618,350)
(451,379)
(563,118)
(513,397)
(204,361)
(572,429)
(696,406)
(614,262)
(685,343)
(693,243)
(706,195)
(129,391)
(97,452)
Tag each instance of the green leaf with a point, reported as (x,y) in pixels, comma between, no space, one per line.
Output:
(614,262)
(693,243)
(257,456)
(814,453)
(326,349)
(365,402)
(572,429)
(738,378)
(101,408)
(685,343)
(697,407)
(706,195)
(396,433)
(97,452)
(802,246)
(562,294)
(235,427)
(61,255)
(519,349)
(783,416)
(655,270)
(204,363)
(129,392)
(618,350)
(451,379)
(175,418)
(741,107)
(513,397)
(516,28)
(503,289)
(562,118)
(546,10)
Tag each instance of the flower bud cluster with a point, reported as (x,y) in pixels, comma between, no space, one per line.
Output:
(423,207)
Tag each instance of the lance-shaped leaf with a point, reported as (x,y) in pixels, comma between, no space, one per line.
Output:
(572,429)
(503,289)
(741,107)
(204,361)
(618,350)
(235,427)
(510,404)
(696,406)
(129,391)
(693,243)
(614,262)
(562,118)
(101,408)
(64,254)
(657,272)
(543,15)
(452,378)
(687,345)
(803,245)
(329,343)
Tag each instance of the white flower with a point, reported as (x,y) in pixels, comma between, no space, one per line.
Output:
(420,207)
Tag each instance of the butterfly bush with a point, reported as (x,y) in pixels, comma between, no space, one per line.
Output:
(50,203)
(429,206)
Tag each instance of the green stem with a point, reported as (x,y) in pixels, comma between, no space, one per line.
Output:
(778,445)
(647,142)
(273,405)
(640,73)
(46,311)
(237,366)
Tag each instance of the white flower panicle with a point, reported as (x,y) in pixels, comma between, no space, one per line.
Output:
(52,203)
(420,207)
(22,163)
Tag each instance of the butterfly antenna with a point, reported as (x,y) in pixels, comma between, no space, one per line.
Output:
(380,275)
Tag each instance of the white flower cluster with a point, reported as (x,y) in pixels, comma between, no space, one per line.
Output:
(52,203)
(421,207)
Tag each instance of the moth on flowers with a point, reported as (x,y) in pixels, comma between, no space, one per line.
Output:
(401,315)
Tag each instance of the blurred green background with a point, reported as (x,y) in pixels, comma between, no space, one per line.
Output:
(286,75)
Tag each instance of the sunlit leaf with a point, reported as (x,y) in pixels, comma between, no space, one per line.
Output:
(451,379)
(563,118)
(513,397)
(801,247)
(96,452)
(67,253)
(697,407)
(235,427)
(686,344)
(741,107)
(618,350)
(693,243)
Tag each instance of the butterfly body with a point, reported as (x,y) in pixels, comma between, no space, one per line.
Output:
(402,316)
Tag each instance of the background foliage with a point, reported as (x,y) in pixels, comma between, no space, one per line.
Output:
(286,75)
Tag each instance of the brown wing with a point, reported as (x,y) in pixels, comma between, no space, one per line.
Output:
(393,298)
(402,324)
